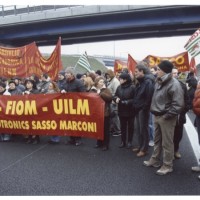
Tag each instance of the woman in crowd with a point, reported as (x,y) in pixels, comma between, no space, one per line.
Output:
(31,89)
(100,88)
(124,98)
(53,88)
(88,83)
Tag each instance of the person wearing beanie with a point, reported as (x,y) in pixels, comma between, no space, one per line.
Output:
(166,66)
(123,97)
(167,104)
(112,83)
(73,84)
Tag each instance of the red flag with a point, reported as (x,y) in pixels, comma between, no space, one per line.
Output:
(193,66)
(131,64)
(181,61)
(119,65)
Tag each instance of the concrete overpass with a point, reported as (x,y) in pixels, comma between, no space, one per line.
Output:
(82,24)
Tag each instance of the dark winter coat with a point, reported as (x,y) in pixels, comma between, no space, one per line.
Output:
(61,84)
(143,93)
(125,92)
(74,85)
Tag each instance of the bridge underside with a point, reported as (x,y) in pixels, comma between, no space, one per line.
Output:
(133,24)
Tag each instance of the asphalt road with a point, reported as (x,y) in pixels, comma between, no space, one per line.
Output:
(55,170)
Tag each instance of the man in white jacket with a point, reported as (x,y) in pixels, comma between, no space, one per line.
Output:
(112,83)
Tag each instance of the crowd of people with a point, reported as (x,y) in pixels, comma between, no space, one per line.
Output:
(150,104)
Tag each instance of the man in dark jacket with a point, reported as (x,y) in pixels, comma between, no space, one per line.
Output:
(73,85)
(44,84)
(142,102)
(167,103)
(61,80)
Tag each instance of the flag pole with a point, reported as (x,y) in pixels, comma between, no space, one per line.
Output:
(76,64)
(87,58)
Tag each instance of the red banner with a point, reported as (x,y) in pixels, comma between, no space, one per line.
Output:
(72,114)
(181,61)
(119,65)
(27,60)
(131,64)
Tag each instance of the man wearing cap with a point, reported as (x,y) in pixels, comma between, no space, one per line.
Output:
(73,85)
(167,103)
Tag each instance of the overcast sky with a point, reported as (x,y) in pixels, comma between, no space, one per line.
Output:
(138,48)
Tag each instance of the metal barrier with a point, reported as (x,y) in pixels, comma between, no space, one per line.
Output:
(16,9)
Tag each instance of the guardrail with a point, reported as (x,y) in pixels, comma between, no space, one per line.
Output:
(16,9)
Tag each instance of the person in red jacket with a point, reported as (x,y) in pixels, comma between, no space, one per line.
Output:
(196,109)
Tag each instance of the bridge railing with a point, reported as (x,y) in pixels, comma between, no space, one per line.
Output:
(16,9)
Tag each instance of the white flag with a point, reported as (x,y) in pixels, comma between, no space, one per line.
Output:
(83,61)
(193,44)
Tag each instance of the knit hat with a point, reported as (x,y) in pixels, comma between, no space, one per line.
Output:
(62,72)
(166,66)
(70,70)
(124,76)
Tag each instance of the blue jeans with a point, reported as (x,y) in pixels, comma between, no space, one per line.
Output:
(151,127)
(55,138)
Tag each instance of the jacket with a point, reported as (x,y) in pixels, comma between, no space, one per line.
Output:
(74,85)
(168,97)
(144,92)
(125,92)
(196,101)
(106,95)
